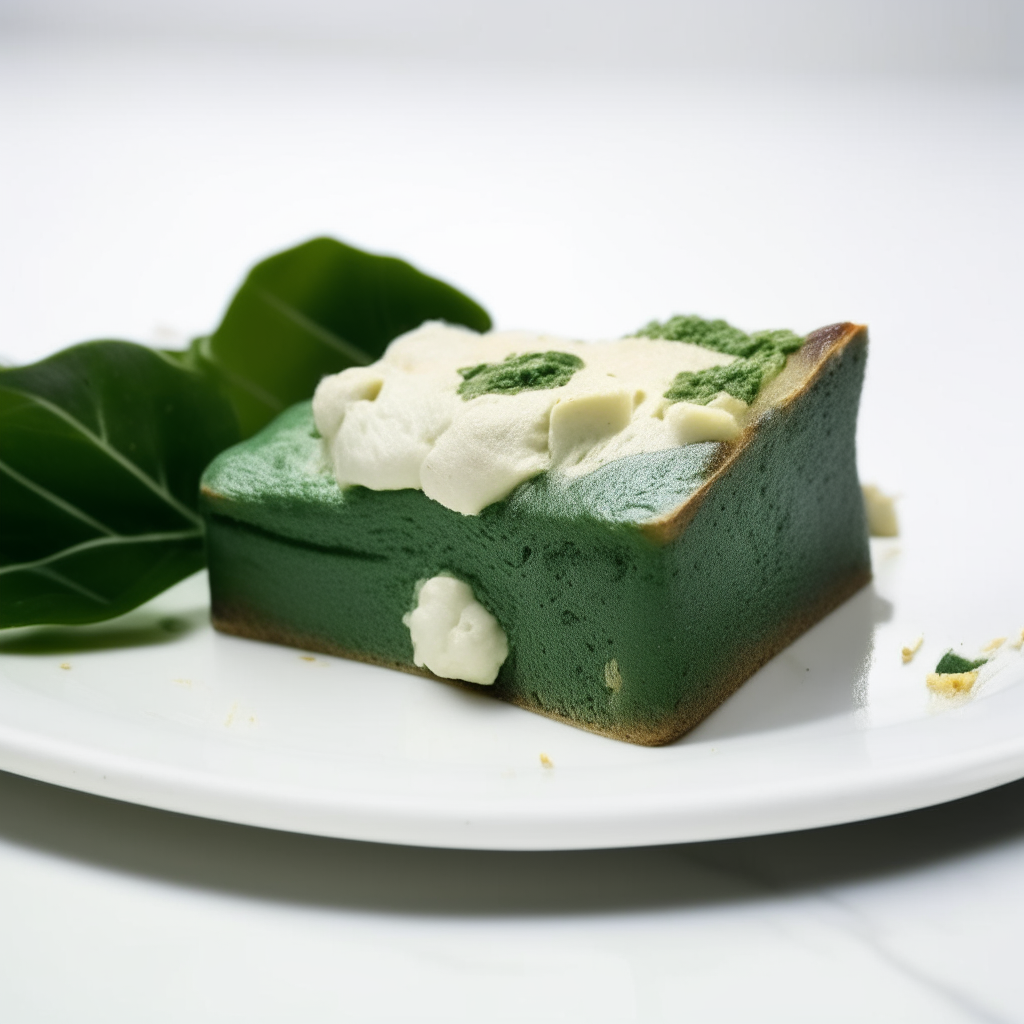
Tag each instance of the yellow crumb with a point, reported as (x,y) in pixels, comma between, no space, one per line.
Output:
(1018,641)
(231,714)
(306,657)
(183,682)
(949,683)
(65,664)
(546,761)
(881,512)
(993,644)
(252,719)
(911,649)
(612,676)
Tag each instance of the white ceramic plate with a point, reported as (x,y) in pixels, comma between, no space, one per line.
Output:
(157,709)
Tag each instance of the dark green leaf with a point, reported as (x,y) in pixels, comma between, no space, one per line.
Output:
(315,310)
(101,449)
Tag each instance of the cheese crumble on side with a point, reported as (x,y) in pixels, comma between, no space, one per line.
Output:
(881,512)
(911,649)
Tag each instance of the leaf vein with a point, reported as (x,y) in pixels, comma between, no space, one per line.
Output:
(209,355)
(346,348)
(100,542)
(59,577)
(56,500)
(120,459)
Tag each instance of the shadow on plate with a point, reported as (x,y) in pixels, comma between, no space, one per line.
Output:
(136,629)
(333,873)
(820,675)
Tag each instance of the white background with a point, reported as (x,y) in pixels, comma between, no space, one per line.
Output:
(580,168)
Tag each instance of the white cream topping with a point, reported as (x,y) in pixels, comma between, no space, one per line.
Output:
(402,423)
(453,635)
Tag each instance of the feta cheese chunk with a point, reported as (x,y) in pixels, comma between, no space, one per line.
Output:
(716,421)
(580,422)
(453,635)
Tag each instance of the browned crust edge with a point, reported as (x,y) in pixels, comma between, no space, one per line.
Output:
(240,622)
(237,620)
(802,370)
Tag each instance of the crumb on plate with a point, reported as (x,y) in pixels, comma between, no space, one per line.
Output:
(950,683)
(912,648)
(881,512)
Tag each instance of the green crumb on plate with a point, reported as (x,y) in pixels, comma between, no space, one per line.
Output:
(953,664)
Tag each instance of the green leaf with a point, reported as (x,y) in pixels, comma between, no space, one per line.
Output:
(314,310)
(101,450)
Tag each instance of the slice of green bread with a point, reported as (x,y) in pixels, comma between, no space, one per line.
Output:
(629,598)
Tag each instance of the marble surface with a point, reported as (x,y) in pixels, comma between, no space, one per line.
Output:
(141,181)
(115,912)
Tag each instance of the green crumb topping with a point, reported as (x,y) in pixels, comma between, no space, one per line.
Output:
(742,380)
(760,356)
(720,336)
(528,372)
(953,664)
(714,334)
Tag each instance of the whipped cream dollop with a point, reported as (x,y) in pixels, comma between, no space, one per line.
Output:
(401,422)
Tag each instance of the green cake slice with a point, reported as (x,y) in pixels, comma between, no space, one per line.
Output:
(615,535)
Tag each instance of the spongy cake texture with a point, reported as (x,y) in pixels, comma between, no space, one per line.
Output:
(634,599)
